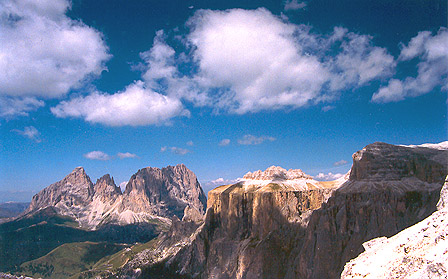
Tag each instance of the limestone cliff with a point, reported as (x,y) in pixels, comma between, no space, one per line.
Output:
(420,251)
(267,226)
(390,188)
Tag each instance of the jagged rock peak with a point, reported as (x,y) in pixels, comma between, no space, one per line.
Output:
(76,189)
(106,185)
(276,173)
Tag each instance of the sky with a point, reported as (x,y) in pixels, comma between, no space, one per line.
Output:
(224,87)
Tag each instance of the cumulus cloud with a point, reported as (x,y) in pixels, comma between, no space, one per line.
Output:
(253,140)
(30,132)
(13,107)
(45,53)
(126,155)
(175,150)
(224,142)
(251,60)
(97,155)
(294,5)
(432,70)
(340,163)
(135,106)
(328,177)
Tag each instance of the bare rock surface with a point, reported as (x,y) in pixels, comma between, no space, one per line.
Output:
(275,229)
(151,195)
(420,251)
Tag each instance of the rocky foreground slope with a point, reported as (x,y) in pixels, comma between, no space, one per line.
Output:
(420,251)
(151,194)
(268,226)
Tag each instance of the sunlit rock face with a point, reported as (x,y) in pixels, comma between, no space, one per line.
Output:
(265,227)
(420,251)
(151,195)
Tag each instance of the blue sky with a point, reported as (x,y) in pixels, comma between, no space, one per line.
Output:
(225,87)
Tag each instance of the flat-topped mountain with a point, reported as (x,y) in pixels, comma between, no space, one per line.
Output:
(266,226)
(151,194)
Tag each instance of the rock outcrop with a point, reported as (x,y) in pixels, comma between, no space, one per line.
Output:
(420,251)
(151,195)
(309,229)
(390,188)
(250,227)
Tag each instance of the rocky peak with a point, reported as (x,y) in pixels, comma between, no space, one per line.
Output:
(106,189)
(276,173)
(76,189)
(164,192)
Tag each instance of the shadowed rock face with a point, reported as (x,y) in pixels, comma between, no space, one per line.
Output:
(151,194)
(418,251)
(390,188)
(281,232)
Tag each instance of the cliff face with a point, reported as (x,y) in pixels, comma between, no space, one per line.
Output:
(419,251)
(164,192)
(390,188)
(270,227)
(152,195)
(250,229)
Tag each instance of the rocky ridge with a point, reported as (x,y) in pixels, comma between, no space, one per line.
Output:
(272,230)
(151,195)
(420,251)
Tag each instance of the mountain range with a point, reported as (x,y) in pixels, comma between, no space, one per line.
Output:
(275,223)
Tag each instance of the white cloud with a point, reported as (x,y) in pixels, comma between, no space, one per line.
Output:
(224,142)
(432,68)
(328,108)
(123,185)
(30,132)
(12,107)
(340,163)
(45,53)
(97,155)
(359,62)
(190,143)
(135,106)
(220,181)
(126,155)
(175,150)
(294,5)
(253,140)
(252,60)
(328,177)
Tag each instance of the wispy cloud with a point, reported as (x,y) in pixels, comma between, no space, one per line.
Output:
(126,155)
(224,142)
(175,150)
(432,68)
(328,177)
(190,143)
(294,5)
(340,163)
(30,132)
(11,107)
(97,155)
(253,140)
